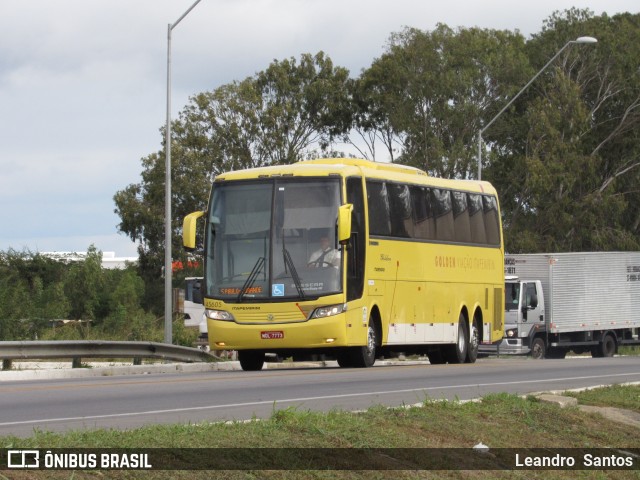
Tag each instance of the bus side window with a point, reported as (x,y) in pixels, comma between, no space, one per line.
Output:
(461,223)
(491,220)
(400,210)
(476,219)
(378,202)
(424,225)
(356,252)
(441,200)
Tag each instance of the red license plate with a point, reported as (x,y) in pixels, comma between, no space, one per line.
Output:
(272,335)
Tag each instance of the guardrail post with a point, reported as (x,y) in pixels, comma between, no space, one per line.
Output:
(76,362)
(137,360)
(6,364)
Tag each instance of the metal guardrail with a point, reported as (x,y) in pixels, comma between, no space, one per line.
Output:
(77,349)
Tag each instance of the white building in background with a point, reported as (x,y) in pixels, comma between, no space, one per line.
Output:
(109,259)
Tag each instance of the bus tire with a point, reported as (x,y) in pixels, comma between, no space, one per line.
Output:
(344,360)
(474,342)
(538,349)
(457,353)
(364,357)
(251,360)
(436,357)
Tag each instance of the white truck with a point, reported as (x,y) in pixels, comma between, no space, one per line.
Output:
(194,309)
(580,302)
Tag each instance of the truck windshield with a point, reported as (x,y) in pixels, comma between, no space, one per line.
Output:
(273,239)
(512,296)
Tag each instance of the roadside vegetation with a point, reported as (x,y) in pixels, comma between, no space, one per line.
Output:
(39,295)
(498,421)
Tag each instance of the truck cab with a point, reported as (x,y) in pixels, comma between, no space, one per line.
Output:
(524,316)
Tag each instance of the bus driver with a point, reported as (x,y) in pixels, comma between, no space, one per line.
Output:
(325,256)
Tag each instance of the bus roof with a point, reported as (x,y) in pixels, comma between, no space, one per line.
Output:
(356,167)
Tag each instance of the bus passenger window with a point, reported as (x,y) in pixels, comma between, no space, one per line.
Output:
(441,200)
(400,210)
(491,220)
(461,223)
(476,219)
(378,202)
(424,226)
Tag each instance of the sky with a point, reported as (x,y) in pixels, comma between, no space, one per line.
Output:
(83,86)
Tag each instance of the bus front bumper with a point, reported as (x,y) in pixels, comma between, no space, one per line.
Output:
(311,334)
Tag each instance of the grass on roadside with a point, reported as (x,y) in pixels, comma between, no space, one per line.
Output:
(499,421)
(619,396)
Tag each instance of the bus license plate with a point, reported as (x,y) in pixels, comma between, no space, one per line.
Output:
(272,335)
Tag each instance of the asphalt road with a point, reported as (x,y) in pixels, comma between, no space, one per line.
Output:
(135,400)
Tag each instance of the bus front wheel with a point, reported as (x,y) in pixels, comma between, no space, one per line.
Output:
(364,357)
(251,360)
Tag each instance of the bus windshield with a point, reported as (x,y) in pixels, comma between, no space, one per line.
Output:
(273,239)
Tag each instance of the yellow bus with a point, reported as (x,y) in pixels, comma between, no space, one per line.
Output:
(352,259)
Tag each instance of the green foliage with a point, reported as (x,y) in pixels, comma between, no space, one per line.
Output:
(568,170)
(426,94)
(37,292)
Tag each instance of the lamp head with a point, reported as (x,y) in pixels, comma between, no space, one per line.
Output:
(586,40)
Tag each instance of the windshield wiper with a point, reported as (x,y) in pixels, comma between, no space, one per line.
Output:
(251,278)
(294,273)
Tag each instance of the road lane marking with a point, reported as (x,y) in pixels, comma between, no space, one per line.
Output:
(295,400)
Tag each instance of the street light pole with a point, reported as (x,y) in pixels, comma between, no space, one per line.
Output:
(168,272)
(482,130)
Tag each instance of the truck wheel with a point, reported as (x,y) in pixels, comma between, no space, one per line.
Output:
(607,347)
(457,353)
(474,341)
(538,349)
(251,360)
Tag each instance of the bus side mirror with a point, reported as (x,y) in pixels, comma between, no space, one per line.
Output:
(189,230)
(344,223)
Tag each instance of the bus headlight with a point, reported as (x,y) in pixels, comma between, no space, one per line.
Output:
(220,315)
(329,311)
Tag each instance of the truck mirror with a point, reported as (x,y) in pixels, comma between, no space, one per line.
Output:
(534,300)
(197,293)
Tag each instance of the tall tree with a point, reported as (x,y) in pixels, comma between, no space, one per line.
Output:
(568,160)
(426,95)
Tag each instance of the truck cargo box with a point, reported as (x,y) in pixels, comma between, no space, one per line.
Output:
(584,291)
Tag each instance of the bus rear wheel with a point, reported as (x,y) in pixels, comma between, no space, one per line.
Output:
(474,342)
(457,353)
(251,360)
